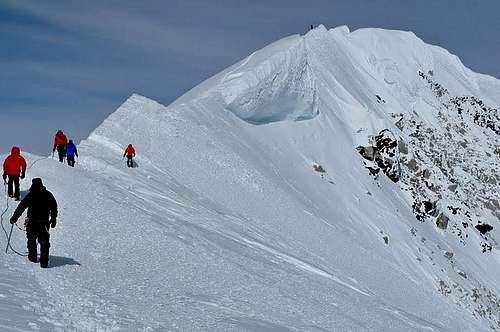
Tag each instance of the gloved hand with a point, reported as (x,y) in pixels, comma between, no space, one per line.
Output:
(54,149)
(4,176)
(22,176)
(53,222)
(13,220)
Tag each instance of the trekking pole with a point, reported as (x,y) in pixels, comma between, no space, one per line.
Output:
(8,240)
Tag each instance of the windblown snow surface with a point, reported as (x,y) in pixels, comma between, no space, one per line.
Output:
(250,208)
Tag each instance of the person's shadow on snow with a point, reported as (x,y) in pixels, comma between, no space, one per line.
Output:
(134,164)
(57,261)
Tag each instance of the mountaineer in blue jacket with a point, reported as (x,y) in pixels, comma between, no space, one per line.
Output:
(71,152)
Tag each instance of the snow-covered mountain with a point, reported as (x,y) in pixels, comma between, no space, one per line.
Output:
(337,181)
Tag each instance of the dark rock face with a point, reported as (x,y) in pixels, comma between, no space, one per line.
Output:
(384,155)
(412,165)
(402,147)
(447,164)
(368,152)
(482,115)
(424,209)
(319,168)
(429,207)
(437,88)
(380,100)
(442,221)
(484,228)
(453,187)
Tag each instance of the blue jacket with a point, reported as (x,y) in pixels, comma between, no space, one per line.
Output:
(71,151)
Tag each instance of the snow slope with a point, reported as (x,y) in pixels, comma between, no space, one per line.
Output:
(250,208)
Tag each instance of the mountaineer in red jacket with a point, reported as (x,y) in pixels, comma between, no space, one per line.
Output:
(14,167)
(60,141)
(129,153)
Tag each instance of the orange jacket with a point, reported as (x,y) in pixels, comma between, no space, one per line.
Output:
(14,165)
(60,139)
(129,151)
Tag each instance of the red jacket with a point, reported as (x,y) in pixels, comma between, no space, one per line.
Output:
(60,139)
(14,165)
(129,151)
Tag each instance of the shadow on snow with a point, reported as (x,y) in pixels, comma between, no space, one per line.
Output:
(57,261)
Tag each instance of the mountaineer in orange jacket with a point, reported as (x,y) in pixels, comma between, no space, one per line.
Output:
(129,153)
(60,142)
(14,167)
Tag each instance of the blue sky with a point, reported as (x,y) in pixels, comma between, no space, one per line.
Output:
(69,64)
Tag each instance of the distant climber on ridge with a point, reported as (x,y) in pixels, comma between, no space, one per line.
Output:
(60,141)
(71,152)
(14,167)
(130,154)
(42,212)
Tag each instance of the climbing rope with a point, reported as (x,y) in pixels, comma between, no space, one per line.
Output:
(37,160)
(9,234)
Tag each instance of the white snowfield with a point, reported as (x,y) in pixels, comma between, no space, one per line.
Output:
(224,225)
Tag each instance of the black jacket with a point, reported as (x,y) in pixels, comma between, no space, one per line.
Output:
(41,205)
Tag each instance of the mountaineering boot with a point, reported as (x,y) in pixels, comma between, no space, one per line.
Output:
(44,264)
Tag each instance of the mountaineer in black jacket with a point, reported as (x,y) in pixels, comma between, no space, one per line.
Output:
(42,212)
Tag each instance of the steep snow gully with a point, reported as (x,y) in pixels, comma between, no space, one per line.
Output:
(250,208)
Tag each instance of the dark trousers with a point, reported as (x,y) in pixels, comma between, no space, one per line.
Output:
(13,182)
(130,161)
(71,161)
(61,151)
(38,231)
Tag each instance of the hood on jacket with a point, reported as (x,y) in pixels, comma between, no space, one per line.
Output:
(16,151)
(36,184)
